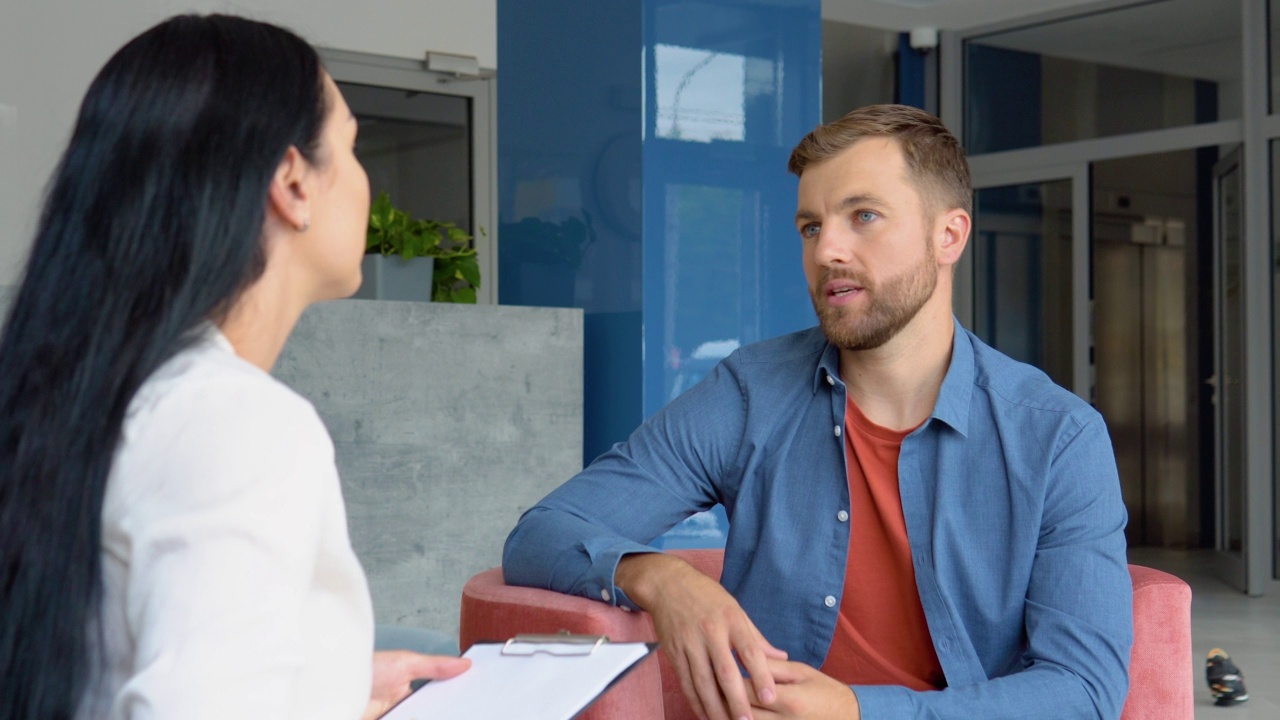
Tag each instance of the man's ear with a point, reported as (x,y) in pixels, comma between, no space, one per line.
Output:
(288,198)
(951,236)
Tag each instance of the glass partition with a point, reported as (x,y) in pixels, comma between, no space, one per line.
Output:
(1022,260)
(1145,67)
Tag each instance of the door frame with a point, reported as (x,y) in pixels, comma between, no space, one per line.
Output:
(1229,568)
(412,75)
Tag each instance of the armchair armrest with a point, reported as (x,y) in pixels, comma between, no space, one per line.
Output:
(1161,666)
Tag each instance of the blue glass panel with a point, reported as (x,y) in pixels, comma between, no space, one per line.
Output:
(732,87)
(642,152)
(569,185)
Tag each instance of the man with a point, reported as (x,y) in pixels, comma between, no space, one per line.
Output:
(923,526)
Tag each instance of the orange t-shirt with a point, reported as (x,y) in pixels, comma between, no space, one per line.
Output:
(881,636)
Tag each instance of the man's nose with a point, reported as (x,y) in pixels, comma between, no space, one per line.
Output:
(833,247)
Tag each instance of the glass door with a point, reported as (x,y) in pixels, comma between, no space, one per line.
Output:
(1227,380)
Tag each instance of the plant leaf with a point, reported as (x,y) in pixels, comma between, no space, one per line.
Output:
(470,271)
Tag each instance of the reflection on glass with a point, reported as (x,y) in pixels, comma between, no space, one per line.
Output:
(1022,261)
(1145,67)
(417,147)
(709,283)
(701,94)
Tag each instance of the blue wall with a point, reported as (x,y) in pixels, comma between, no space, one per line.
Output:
(642,150)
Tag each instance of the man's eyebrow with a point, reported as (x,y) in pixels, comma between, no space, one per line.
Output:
(845,204)
(806,215)
(864,199)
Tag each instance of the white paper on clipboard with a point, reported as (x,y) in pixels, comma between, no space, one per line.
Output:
(554,683)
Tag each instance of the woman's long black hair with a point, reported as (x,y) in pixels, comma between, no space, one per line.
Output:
(152,227)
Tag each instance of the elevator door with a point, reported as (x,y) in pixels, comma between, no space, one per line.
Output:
(1140,344)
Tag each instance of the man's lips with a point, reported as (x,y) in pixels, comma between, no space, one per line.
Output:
(841,291)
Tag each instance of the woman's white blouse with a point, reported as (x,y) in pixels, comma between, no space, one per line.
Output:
(231,589)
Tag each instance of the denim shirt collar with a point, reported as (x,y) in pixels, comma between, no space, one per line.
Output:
(828,367)
(952,407)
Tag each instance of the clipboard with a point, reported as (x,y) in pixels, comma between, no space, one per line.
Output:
(532,677)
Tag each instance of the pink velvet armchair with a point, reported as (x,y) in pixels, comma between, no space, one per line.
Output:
(1160,666)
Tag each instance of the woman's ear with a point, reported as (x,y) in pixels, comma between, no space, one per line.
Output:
(952,236)
(288,197)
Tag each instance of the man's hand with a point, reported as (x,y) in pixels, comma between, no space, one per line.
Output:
(806,694)
(700,627)
(393,670)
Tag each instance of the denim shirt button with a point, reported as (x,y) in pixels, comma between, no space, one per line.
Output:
(604,594)
(830,380)
(829,601)
(838,430)
(842,516)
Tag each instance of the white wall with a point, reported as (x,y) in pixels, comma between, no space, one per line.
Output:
(51,49)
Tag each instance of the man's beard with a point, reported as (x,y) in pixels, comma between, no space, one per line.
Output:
(889,306)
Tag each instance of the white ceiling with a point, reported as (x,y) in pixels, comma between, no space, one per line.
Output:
(941,14)
(1193,38)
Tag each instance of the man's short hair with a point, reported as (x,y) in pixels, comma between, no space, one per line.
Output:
(936,164)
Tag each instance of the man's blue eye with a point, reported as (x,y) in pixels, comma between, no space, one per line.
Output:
(866,216)
(809,231)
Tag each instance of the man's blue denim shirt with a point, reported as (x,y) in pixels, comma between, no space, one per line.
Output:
(1012,506)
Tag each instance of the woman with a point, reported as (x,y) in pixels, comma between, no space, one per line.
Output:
(172,536)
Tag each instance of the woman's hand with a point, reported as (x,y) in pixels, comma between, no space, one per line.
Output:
(393,670)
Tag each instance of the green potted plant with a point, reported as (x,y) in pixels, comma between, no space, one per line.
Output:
(412,259)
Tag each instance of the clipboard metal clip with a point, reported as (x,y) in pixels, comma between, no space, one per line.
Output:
(561,644)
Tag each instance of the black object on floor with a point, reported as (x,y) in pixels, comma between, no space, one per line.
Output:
(1226,682)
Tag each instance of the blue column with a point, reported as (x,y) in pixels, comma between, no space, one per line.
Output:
(642,150)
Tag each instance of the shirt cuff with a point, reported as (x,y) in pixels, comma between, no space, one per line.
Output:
(881,701)
(604,562)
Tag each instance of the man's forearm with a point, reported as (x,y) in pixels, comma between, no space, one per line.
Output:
(545,550)
(1039,691)
(645,576)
